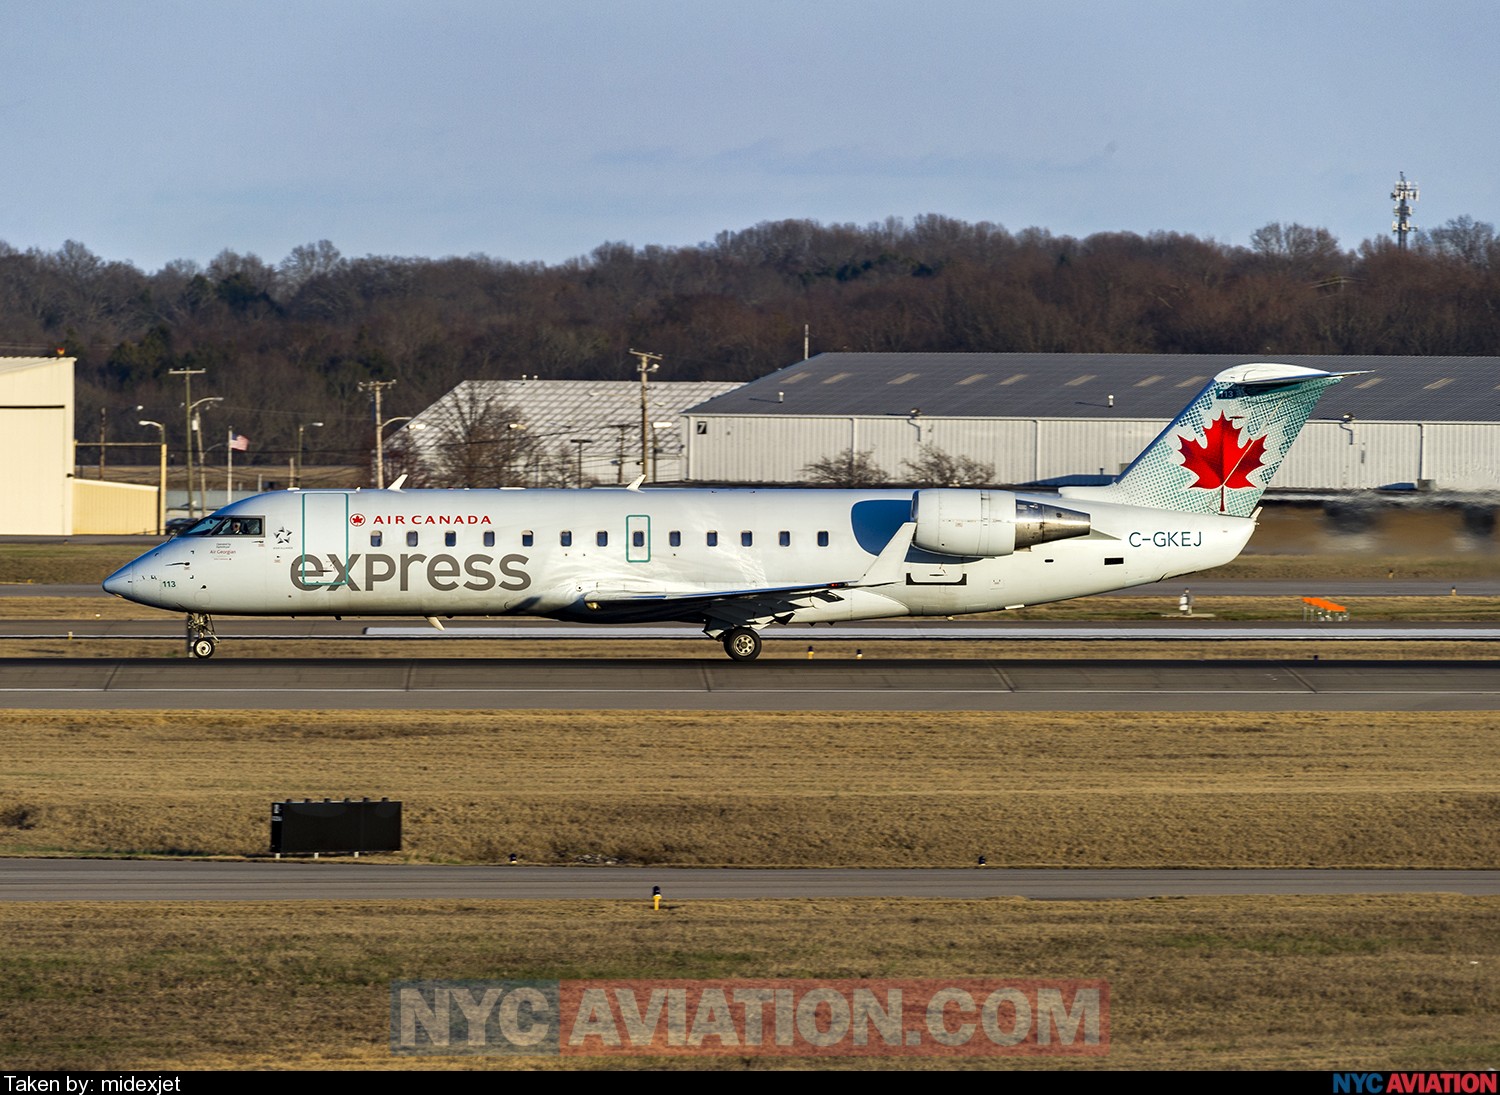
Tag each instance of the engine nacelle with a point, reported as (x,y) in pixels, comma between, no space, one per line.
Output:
(989,522)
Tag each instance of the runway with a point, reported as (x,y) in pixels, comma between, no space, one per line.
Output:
(135,880)
(716,684)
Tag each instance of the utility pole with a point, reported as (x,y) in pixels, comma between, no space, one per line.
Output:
(620,451)
(376,388)
(646,365)
(187,403)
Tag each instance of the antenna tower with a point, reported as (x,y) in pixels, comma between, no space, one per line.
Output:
(1403,195)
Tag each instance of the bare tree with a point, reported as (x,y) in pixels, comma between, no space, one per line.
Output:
(471,439)
(1465,239)
(310,260)
(1307,252)
(936,468)
(847,469)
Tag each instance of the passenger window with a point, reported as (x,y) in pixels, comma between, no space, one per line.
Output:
(602,539)
(713,539)
(822,539)
(746,539)
(566,539)
(674,538)
(489,539)
(638,538)
(527,538)
(375,538)
(450,539)
(786,538)
(411,539)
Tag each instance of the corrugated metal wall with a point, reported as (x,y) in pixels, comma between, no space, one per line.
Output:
(1327,456)
(119,508)
(36,446)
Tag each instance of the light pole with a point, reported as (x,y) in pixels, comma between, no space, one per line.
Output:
(161,493)
(380,445)
(196,427)
(297,465)
(581,442)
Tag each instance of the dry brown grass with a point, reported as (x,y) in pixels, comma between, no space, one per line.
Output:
(1317,983)
(703,650)
(65,564)
(1202,983)
(832,789)
(1360,566)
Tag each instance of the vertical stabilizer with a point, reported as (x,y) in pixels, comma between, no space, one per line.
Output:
(1220,454)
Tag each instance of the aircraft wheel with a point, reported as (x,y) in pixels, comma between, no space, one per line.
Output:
(202,648)
(742,644)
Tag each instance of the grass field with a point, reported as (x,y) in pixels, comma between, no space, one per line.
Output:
(788,789)
(1255,983)
(1206,983)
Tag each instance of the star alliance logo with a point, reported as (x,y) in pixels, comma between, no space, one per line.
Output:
(283,536)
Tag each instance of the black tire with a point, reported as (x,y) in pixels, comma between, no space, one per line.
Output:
(201,648)
(742,644)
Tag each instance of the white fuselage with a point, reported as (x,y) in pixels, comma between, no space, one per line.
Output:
(597,554)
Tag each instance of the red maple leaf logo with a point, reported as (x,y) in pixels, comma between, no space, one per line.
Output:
(357,519)
(1220,460)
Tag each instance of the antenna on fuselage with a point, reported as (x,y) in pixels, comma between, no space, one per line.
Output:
(635,484)
(396,486)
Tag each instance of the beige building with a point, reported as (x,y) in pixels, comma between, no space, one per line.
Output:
(38,494)
(36,445)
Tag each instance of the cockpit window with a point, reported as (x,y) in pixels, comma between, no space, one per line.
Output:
(235,525)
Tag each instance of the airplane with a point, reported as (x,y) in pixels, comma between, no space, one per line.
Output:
(737,560)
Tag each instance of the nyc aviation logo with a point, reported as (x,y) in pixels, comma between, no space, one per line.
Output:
(1222,460)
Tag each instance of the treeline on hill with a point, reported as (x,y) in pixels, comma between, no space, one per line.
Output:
(289,343)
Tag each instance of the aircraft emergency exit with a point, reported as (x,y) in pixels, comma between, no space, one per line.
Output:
(738,560)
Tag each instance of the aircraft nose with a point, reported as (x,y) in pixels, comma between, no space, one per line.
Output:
(118,583)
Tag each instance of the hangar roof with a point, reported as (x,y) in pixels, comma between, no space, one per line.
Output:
(1151,386)
(582,404)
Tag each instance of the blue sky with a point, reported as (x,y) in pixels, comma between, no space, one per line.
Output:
(155,130)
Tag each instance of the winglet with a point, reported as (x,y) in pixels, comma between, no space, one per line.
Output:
(887,567)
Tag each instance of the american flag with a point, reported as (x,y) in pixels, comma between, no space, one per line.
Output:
(239,442)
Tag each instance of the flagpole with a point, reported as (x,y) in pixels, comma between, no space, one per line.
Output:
(229,468)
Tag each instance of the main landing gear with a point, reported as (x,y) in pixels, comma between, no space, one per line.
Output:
(201,639)
(742,644)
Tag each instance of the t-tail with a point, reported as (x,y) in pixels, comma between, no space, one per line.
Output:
(1220,454)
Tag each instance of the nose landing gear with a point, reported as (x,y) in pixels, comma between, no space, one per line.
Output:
(201,640)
